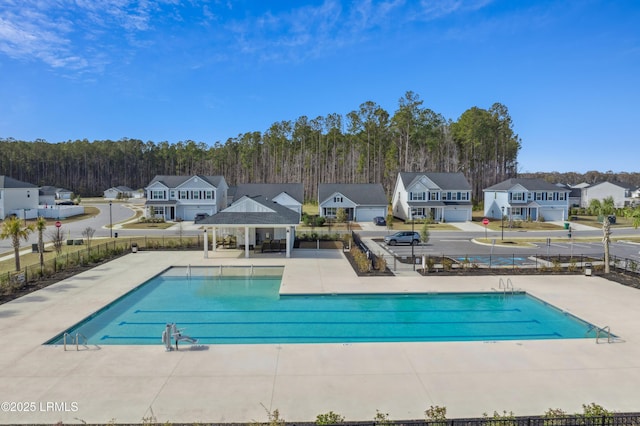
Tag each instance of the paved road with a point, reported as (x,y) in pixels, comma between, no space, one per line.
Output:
(441,242)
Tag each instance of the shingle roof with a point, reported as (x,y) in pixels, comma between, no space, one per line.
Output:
(453,181)
(530,184)
(7,182)
(363,194)
(173,181)
(269,190)
(280,215)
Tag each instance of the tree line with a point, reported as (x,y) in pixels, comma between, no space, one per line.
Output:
(367,145)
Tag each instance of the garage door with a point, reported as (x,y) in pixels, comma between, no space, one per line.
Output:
(457,215)
(552,214)
(366,214)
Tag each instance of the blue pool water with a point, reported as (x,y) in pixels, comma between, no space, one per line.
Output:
(221,310)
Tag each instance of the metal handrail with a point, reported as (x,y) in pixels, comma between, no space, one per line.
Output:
(76,340)
(606,329)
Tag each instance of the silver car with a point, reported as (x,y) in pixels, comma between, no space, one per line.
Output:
(403,237)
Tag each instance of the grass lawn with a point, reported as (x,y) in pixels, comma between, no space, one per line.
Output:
(138,225)
(29,259)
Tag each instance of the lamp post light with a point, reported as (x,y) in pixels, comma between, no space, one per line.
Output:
(502,208)
(110,221)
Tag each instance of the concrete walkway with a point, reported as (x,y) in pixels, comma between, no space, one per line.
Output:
(234,383)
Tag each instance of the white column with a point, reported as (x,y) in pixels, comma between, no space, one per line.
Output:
(288,242)
(246,241)
(214,242)
(206,244)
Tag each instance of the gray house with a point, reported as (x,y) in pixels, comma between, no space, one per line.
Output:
(361,201)
(18,198)
(50,195)
(621,193)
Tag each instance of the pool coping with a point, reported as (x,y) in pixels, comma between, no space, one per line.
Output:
(236,383)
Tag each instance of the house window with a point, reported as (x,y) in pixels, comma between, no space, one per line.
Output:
(434,196)
(417,196)
(562,196)
(516,211)
(418,212)
(172,195)
(538,196)
(330,211)
(517,196)
(195,195)
(157,195)
(549,196)
(158,211)
(183,195)
(208,195)
(337,199)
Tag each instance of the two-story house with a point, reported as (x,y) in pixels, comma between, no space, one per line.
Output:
(18,198)
(182,197)
(621,193)
(439,196)
(526,199)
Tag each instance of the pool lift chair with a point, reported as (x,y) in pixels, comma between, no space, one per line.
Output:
(172,331)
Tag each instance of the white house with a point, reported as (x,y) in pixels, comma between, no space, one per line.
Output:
(117,192)
(18,198)
(622,193)
(440,196)
(361,201)
(290,195)
(524,199)
(182,197)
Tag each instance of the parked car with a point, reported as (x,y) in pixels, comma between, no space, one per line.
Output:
(379,221)
(403,237)
(200,216)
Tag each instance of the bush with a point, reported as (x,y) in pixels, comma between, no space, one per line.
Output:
(360,259)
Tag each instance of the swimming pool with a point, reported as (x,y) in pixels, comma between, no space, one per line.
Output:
(247,309)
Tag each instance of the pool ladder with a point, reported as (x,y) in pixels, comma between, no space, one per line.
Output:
(75,341)
(506,287)
(606,330)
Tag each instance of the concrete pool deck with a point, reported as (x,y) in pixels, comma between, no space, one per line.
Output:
(238,383)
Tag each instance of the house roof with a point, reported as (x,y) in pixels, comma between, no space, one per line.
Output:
(121,188)
(616,183)
(279,215)
(269,190)
(173,181)
(364,194)
(52,190)
(443,180)
(530,184)
(7,182)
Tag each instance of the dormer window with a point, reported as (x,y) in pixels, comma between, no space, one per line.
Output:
(337,199)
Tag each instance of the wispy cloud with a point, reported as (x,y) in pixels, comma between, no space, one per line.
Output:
(87,35)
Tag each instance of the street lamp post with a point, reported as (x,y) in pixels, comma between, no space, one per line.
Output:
(413,259)
(110,221)
(502,208)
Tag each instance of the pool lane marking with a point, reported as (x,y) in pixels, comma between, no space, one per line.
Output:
(123,323)
(393,339)
(179,311)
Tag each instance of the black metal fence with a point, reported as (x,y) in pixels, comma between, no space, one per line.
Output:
(614,419)
(93,254)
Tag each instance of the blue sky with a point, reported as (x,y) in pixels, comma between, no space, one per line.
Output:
(172,70)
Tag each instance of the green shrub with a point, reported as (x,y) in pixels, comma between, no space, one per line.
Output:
(329,418)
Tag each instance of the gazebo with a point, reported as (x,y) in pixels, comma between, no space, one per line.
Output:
(253,220)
